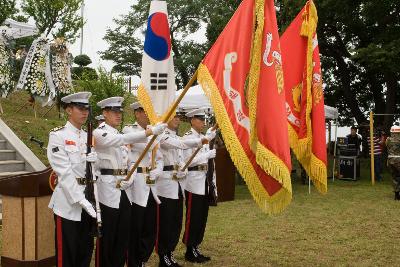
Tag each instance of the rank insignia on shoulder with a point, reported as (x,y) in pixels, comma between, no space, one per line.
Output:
(70,142)
(55,149)
(104,134)
(57,128)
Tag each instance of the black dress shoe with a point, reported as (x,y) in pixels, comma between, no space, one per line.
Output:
(206,258)
(171,257)
(165,261)
(396,195)
(192,256)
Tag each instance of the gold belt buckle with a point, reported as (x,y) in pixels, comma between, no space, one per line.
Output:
(120,172)
(203,168)
(147,170)
(81,181)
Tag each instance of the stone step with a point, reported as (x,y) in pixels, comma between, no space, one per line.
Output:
(12,165)
(6,174)
(7,154)
(3,144)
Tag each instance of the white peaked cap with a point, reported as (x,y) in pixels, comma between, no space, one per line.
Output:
(114,102)
(79,98)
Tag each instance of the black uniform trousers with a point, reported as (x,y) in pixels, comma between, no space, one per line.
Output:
(143,232)
(169,223)
(73,241)
(113,245)
(196,219)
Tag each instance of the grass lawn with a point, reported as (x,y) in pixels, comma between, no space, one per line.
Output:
(355,224)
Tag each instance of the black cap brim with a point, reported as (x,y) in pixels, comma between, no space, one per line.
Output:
(116,109)
(80,104)
(200,117)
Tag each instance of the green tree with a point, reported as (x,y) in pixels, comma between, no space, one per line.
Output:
(83,71)
(82,60)
(7,9)
(58,17)
(359,43)
(126,40)
(216,17)
(105,86)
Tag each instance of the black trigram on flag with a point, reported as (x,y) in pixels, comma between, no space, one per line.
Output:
(158,81)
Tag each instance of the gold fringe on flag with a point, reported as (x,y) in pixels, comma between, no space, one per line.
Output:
(148,107)
(254,74)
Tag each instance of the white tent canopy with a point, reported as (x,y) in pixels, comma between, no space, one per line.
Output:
(14,29)
(331,113)
(193,99)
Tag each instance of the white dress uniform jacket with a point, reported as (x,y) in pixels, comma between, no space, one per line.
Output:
(112,153)
(139,191)
(66,153)
(196,180)
(172,147)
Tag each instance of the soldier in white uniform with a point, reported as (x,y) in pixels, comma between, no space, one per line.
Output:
(115,203)
(143,192)
(195,190)
(170,190)
(66,152)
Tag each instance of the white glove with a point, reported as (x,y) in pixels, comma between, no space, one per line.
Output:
(87,207)
(123,185)
(91,157)
(182,174)
(154,174)
(210,134)
(211,153)
(158,128)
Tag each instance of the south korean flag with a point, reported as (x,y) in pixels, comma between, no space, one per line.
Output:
(156,92)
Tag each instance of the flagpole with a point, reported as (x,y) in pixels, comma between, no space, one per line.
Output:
(169,114)
(371,145)
(334,152)
(82,10)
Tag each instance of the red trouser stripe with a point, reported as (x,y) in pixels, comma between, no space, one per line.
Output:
(158,227)
(59,242)
(189,211)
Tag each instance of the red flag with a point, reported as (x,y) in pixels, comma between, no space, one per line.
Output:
(224,76)
(269,136)
(304,94)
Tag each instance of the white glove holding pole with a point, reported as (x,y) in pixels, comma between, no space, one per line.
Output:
(154,174)
(125,184)
(158,128)
(91,157)
(87,207)
(211,133)
(211,153)
(181,174)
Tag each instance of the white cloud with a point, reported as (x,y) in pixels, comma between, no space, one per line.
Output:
(99,16)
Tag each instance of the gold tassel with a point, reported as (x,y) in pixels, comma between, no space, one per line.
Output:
(254,74)
(148,107)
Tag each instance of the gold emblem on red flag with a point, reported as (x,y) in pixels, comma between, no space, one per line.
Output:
(317,91)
